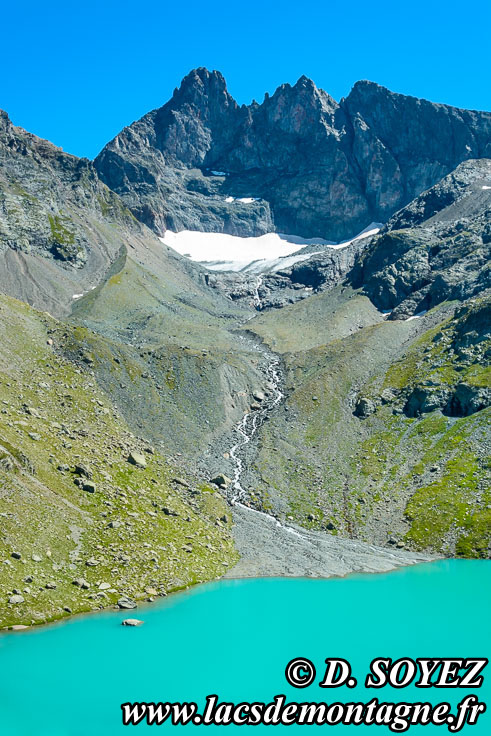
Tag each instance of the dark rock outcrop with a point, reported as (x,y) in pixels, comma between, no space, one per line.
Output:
(436,248)
(424,399)
(466,400)
(452,370)
(317,167)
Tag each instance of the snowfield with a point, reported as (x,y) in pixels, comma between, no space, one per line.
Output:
(262,254)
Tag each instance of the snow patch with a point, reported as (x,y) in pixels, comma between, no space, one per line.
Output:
(416,316)
(486,187)
(245,200)
(223,252)
(77,296)
(261,254)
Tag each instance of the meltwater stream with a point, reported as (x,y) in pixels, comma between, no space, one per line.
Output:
(248,426)
(268,546)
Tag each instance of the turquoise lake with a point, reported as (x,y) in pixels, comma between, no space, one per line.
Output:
(234,638)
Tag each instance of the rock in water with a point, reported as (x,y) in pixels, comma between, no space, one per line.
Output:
(132,622)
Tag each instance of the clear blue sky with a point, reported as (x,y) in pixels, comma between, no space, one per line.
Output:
(77,72)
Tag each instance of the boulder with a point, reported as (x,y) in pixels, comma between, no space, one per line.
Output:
(136,458)
(83,470)
(132,622)
(126,603)
(16,599)
(467,399)
(221,480)
(364,407)
(81,583)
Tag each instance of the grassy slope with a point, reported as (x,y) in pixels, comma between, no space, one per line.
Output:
(418,482)
(44,513)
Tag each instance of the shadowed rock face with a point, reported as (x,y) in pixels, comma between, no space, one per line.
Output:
(436,248)
(317,167)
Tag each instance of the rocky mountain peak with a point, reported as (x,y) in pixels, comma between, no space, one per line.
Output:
(303,92)
(322,168)
(202,86)
(366,86)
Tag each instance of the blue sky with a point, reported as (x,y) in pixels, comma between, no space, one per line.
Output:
(76,73)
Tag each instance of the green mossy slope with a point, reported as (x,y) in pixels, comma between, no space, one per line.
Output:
(142,533)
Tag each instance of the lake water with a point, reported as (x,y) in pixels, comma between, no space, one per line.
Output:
(234,638)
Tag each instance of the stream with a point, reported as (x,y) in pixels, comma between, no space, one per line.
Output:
(268,546)
(248,427)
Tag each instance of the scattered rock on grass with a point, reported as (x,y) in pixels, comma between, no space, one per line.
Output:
(16,599)
(136,458)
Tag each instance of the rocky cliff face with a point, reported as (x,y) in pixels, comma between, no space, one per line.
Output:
(436,248)
(61,228)
(312,166)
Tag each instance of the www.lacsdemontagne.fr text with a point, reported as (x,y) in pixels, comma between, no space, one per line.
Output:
(398,717)
(300,673)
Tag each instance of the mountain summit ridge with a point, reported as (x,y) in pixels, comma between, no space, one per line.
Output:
(313,166)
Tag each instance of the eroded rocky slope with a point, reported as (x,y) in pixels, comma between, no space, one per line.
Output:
(61,228)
